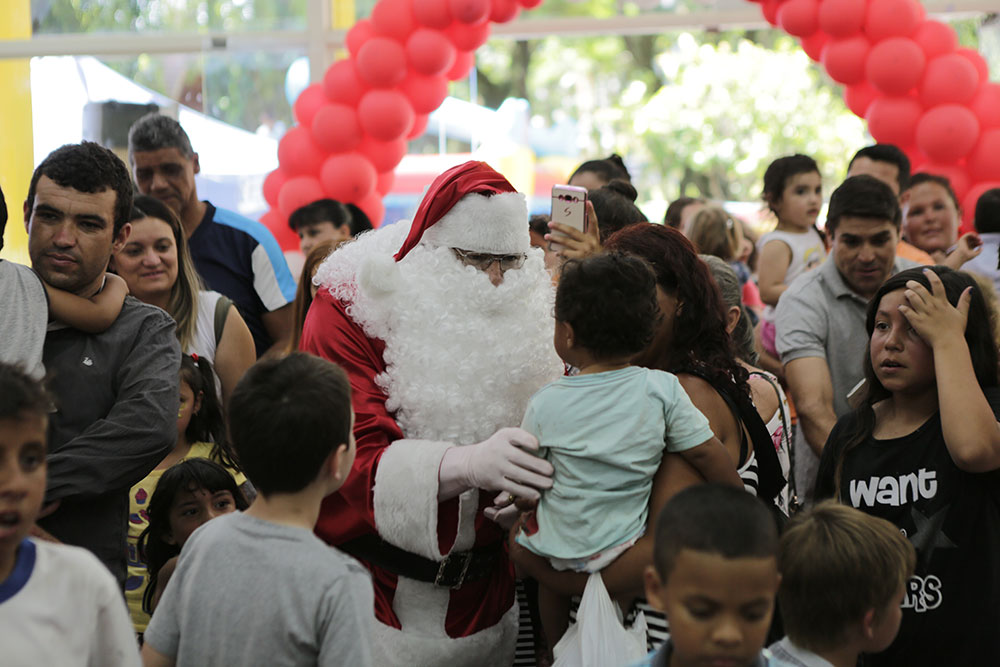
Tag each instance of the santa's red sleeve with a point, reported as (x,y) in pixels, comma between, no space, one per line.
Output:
(393,486)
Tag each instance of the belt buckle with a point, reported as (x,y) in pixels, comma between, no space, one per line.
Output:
(442,578)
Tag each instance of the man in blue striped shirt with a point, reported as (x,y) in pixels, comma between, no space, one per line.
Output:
(233,254)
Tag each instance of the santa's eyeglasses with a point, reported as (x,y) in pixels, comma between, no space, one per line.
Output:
(483,261)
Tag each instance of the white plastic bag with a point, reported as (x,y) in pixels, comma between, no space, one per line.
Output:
(598,638)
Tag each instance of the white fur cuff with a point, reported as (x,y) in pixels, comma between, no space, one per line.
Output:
(405,495)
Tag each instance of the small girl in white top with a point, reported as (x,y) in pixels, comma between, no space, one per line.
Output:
(793,190)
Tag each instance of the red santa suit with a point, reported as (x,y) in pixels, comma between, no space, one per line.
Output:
(437,357)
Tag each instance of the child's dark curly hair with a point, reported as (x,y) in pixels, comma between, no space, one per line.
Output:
(610,301)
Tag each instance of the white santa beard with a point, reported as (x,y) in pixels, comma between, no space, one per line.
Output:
(463,357)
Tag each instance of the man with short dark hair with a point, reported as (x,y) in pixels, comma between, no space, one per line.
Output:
(234,255)
(820,319)
(890,165)
(117,391)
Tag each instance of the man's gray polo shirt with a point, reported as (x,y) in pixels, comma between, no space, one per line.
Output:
(820,316)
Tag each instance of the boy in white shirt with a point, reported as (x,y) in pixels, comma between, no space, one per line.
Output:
(58,604)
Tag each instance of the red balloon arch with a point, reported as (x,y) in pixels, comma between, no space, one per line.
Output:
(903,73)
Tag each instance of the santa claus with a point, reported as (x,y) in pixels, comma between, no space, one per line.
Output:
(445,328)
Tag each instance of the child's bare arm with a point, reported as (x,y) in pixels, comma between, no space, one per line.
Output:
(711,459)
(775,258)
(92,315)
(153,658)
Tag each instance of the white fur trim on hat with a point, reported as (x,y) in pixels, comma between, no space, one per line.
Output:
(497,225)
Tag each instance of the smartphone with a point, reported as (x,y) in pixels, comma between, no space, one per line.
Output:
(569,208)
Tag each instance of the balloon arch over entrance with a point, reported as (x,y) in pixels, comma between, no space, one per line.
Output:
(903,73)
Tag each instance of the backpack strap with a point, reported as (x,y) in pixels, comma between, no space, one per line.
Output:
(221,313)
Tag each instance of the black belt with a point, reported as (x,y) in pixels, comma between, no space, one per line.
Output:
(457,568)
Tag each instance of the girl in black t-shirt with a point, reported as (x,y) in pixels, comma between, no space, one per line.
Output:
(923,451)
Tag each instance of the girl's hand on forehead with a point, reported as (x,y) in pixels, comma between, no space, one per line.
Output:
(930,313)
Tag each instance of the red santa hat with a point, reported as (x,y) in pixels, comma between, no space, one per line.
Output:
(471,207)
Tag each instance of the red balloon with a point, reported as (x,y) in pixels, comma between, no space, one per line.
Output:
(308,103)
(358,36)
(947,133)
(844,59)
(799,17)
(463,63)
(385,114)
(504,10)
(470,11)
(948,79)
(382,62)
(430,52)
(769,8)
(984,161)
(394,18)
(336,128)
(298,192)
(530,4)
(272,186)
(893,120)
(384,155)
(841,18)
(342,84)
(977,61)
(432,13)
(986,106)
(283,234)
(814,44)
(468,37)
(384,182)
(858,97)
(419,126)
(972,197)
(956,175)
(348,177)
(895,65)
(426,93)
(892,18)
(374,208)
(935,38)
(298,154)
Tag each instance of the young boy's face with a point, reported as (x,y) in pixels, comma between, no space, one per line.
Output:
(719,609)
(22,477)
(312,235)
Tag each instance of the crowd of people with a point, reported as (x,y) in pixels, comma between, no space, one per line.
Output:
(762,450)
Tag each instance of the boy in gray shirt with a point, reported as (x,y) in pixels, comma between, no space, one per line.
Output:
(258,587)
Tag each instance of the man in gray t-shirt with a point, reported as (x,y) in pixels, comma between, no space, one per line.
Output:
(258,588)
(308,604)
(820,320)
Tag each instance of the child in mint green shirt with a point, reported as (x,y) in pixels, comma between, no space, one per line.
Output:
(605,429)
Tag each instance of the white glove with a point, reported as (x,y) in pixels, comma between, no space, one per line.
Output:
(499,463)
